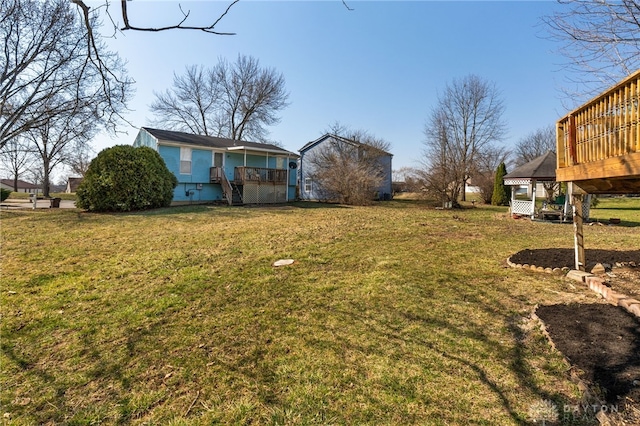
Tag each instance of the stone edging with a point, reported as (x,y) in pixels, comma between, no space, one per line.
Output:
(594,283)
(597,284)
(557,271)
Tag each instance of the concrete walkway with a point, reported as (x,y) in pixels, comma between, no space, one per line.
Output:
(14,204)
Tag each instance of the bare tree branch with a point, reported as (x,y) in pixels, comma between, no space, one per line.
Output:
(238,101)
(601,41)
(349,168)
(459,136)
(179,26)
(535,144)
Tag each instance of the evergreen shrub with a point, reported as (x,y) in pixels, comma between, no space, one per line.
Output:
(125,178)
(500,196)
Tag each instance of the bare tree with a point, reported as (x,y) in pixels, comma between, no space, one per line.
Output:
(349,169)
(47,70)
(238,101)
(484,170)
(461,129)
(190,105)
(440,175)
(535,144)
(55,141)
(16,158)
(79,157)
(600,39)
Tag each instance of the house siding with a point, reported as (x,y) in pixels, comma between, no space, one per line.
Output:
(195,186)
(145,139)
(304,173)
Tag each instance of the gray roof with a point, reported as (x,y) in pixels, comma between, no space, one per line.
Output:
(214,142)
(21,184)
(542,168)
(336,137)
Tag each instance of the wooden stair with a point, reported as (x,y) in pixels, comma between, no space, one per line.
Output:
(231,191)
(236,195)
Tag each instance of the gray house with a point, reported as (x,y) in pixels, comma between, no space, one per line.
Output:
(310,189)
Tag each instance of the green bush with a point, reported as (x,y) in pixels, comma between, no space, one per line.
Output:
(4,194)
(124,178)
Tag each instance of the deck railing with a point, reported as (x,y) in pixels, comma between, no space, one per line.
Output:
(604,128)
(215,174)
(260,174)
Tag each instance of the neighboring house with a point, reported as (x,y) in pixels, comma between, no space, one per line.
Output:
(72,184)
(308,190)
(212,169)
(22,186)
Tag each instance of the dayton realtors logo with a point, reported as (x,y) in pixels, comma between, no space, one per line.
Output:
(546,412)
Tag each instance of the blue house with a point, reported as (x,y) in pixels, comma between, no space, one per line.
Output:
(310,187)
(213,169)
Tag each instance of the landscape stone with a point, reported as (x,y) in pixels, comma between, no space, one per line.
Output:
(578,275)
(598,269)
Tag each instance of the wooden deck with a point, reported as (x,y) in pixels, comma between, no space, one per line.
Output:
(598,144)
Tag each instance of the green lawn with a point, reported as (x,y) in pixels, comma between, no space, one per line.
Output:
(392,314)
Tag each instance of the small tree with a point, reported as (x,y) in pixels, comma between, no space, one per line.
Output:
(500,197)
(124,178)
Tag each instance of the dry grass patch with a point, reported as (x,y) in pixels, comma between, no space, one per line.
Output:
(395,313)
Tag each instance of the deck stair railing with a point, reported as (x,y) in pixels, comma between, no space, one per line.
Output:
(231,191)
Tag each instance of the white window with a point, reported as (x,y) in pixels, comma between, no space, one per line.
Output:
(185,161)
(280,162)
(307,185)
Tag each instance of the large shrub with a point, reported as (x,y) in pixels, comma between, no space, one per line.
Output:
(124,178)
(4,194)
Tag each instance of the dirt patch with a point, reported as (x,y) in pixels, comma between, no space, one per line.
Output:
(600,341)
(565,257)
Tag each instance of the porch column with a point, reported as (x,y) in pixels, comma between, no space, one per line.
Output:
(513,198)
(533,198)
(286,187)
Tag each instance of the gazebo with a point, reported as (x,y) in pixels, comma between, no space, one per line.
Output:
(540,169)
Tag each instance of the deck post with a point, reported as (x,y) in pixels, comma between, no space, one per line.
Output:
(578,231)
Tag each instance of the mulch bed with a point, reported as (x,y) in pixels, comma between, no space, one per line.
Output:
(600,340)
(565,257)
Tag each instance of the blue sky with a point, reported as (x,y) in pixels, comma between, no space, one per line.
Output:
(378,67)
